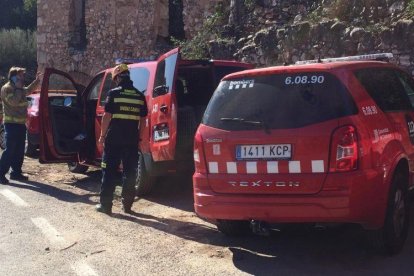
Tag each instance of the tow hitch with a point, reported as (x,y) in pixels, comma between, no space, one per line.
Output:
(260,228)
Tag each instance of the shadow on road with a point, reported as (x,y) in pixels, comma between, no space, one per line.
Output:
(91,183)
(296,249)
(173,191)
(299,249)
(55,192)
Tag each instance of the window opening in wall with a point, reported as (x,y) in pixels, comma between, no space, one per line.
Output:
(176,22)
(77,25)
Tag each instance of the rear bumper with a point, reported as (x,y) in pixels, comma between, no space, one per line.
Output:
(358,197)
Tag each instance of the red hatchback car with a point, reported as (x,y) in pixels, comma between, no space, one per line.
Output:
(59,98)
(324,142)
(32,122)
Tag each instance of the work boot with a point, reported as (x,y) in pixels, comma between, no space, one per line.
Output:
(103,209)
(127,209)
(3,180)
(19,177)
(126,205)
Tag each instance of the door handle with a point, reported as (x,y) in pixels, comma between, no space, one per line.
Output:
(163,108)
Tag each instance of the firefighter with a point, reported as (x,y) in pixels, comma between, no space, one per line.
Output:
(124,108)
(13,95)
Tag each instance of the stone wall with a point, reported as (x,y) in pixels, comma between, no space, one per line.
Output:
(270,32)
(275,32)
(113,29)
(332,38)
(195,12)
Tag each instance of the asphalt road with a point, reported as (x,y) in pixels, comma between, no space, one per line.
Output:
(51,228)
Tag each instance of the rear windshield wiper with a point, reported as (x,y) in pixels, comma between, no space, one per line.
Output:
(242,120)
(250,122)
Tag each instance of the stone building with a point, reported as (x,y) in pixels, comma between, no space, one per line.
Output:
(85,36)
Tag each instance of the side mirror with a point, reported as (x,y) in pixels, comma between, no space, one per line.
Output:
(160,90)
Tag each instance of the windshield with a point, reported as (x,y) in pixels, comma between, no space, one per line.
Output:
(278,102)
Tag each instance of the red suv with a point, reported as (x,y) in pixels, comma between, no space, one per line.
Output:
(324,142)
(177,92)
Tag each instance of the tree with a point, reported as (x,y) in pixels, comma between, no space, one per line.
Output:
(18,14)
(30,11)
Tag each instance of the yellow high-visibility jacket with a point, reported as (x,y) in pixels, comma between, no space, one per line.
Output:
(15,102)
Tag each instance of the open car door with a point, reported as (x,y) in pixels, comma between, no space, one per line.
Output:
(163,112)
(61,125)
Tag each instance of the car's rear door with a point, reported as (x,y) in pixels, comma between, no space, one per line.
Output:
(60,127)
(393,92)
(163,110)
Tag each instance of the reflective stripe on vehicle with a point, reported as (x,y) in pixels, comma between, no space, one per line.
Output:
(126,117)
(127,100)
(264,167)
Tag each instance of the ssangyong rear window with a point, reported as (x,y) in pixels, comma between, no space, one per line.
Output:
(278,102)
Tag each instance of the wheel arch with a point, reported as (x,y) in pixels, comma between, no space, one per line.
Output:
(401,166)
(148,162)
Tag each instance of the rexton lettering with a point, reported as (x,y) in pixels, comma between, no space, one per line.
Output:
(261,183)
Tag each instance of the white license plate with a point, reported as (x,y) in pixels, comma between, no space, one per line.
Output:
(161,135)
(278,151)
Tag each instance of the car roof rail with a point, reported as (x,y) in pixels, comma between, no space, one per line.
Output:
(377,57)
(133,60)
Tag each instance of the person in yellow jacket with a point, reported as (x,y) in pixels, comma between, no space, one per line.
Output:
(13,96)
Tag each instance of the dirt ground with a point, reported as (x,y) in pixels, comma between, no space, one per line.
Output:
(163,236)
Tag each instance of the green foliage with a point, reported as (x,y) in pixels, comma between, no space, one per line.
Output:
(342,10)
(197,46)
(250,4)
(17,48)
(18,14)
(410,7)
(30,13)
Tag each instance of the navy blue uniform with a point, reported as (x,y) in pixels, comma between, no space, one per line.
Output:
(127,106)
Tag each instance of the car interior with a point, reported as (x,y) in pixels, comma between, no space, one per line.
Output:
(194,87)
(66,119)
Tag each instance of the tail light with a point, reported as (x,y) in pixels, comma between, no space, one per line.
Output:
(344,150)
(199,163)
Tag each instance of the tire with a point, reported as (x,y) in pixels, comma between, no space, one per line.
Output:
(391,237)
(75,167)
(2,137)
(31,150)
(234,227)
(144,182)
